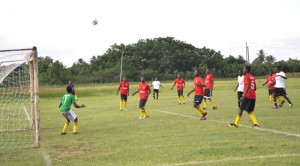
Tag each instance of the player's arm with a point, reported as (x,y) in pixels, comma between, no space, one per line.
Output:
(183,84)
(173,85)
(135,92)
(236,87)
(119,90)
(149,91)
(284,77)
(188,94)
(78,106)
(200,85)
(247,89)
(265,83)
(59,105)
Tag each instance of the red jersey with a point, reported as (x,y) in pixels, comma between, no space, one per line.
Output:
(250,79)
(144,90)
(209,81)
(180,83)
(198,90)
(270,80)
(124,87)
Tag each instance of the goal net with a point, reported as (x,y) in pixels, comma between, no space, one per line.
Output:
(18,122)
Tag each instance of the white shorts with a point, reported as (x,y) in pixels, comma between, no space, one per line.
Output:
(70,115)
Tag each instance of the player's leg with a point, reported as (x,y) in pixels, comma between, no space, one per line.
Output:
(64,130)
(270,95)
(213,103)
(157,92)
(124,102)
(143,113)
(154,94)
(250,111)
(121,102)
(179,94)
(285,96)
(72,116)
(243,106)
(197,103)
(240,94)
(204,99)
(275,95)
(182,97)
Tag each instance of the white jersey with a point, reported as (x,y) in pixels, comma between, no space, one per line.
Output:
(280,82)
(156,84)
(241,84)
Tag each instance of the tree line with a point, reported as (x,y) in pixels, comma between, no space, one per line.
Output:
(159,57)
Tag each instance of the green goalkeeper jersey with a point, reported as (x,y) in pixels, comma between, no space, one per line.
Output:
(66,101)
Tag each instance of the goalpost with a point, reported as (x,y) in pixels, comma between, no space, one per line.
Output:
(19,99)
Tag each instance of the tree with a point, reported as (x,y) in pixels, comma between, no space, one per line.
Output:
(261,55)
(270,59)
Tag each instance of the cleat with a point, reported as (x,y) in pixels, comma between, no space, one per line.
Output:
(183,103)
(147,116)
(75,132)
(291,105)
(204,116)
(215,107)
(179,103)
(204,108)
(275,107)
(63,133)
(255,125)
(121,110)
(233,125)
(141,117)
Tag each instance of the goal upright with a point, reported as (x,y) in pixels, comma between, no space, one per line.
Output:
(19,99)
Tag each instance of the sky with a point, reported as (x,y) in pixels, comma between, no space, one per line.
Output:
(63,29)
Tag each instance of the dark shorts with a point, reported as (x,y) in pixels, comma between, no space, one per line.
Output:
(198,99)
(279,92)
(271,91)
(156,90)
(239,94)
(142,103)
(124,97)
(208,93)
(248,105)
(180,92)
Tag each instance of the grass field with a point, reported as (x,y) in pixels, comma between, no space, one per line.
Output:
(173,135)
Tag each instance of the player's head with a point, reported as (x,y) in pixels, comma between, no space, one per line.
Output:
(207,71)
(69,89)
(143,79)
(240,72)
(155,79)
(277,69)
(70,82)
(196,73)
(178,75)
(270,73)
(124,78)
(247,69)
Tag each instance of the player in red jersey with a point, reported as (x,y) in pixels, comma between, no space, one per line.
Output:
(199,93)
(209,82)
(124,92)
(144,90)
(248,99)
(180,86)
(270,82)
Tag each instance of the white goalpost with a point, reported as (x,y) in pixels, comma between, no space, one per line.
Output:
(19,99)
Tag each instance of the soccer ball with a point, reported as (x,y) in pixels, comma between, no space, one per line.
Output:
(95,22)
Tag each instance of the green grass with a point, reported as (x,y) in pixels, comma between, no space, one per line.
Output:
(173,134)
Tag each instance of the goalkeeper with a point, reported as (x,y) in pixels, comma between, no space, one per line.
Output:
(65,108)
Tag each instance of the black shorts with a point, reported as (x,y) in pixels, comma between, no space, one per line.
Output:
(279,92)
(239,94)
(271,91)
(124,97)
(248,105)
(156,90)
(180,92)
(198,99)
(142,103)
(208,93)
